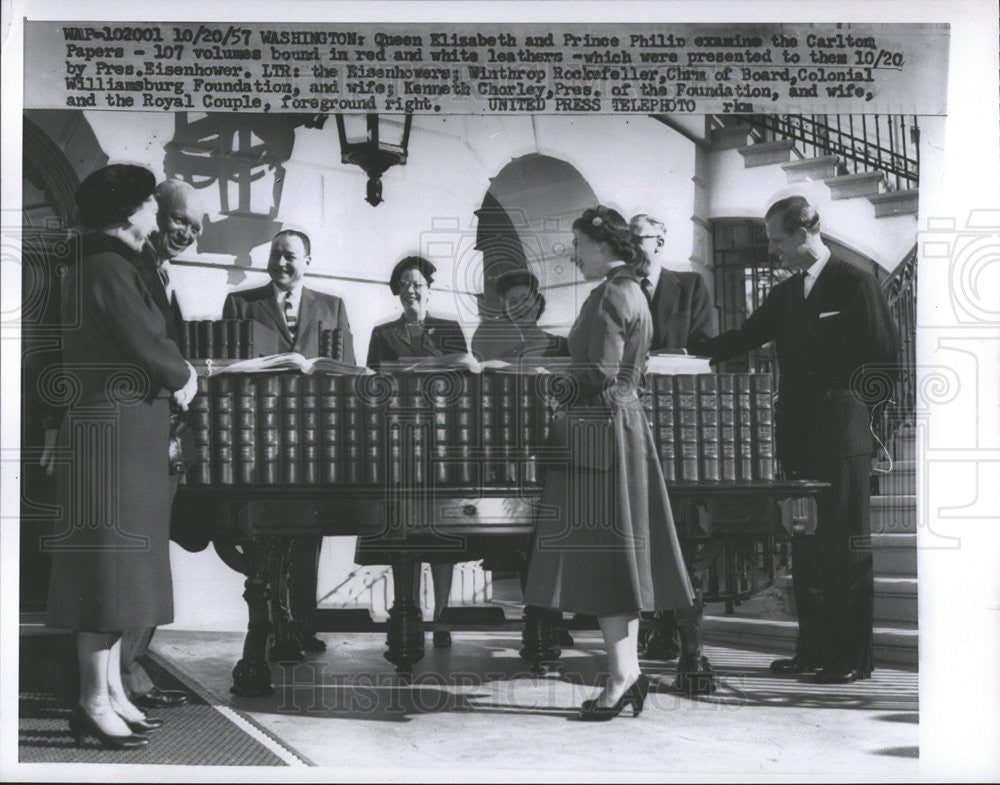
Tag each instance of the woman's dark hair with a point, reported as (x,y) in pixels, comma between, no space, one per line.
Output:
(521,278)
(604,225)
(111,195)
(426,269)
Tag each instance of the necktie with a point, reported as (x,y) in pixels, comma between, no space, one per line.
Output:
(647,289)
(291,318)
(807,283)
(164,274)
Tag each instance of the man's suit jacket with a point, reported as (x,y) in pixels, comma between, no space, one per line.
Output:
(390,341)
(822,343)
(169,308)
(682,311)
(315,308)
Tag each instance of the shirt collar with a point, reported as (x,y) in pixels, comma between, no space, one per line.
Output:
(294,295)
(817,267)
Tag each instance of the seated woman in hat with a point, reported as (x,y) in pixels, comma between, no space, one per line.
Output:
(519,335)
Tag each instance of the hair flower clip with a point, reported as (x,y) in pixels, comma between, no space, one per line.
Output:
(597,220)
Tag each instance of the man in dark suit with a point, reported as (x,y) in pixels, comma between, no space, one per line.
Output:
(681,308)
(298,315)
(178,221)
(682,316)
(832,329)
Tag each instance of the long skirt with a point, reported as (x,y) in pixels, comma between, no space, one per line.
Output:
(110,551)
(605,541)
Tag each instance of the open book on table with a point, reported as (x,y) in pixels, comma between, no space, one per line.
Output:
(288,361)
(463,361)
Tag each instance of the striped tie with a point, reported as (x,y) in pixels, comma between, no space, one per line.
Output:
(291,319)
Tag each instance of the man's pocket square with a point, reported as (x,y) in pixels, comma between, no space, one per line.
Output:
(829,313)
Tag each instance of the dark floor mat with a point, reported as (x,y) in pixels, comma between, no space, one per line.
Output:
(193,734)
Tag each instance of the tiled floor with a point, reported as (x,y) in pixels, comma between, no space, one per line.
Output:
(474,711)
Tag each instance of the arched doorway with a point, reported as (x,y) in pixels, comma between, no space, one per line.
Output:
(49,183)
(525,223)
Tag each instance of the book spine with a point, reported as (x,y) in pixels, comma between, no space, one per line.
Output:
(465,432)
(506,401)
(245,327)
(330,429)
(529,411)
(205,339)
(708,427)
(394,423)
(686,426)
(245,429)
(663,393)
(269,426)
(744,429)
(199,417)
(352,454)
(194,346)
(372,411)
(220,339)
(234,347)
(185,340)
(222,429)
(309,412)
(488,473)
(763,425)
(415,445)
(442,427)
(291,427)
(727,427)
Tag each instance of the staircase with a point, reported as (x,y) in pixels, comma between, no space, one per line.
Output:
(767,620)
(872,211)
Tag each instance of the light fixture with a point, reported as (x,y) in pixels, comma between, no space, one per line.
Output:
(374,143)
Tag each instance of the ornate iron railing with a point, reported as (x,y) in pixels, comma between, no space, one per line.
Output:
(900,290)
(889,144)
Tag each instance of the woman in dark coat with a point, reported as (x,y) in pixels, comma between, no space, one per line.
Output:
(110,561)
(609,548)
(416,334)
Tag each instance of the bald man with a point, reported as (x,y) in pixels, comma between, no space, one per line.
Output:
(178,224)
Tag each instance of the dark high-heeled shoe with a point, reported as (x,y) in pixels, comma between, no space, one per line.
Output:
(81,724)
(634,696)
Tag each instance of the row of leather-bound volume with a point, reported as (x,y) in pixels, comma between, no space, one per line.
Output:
(456,428)
(230,339)
(242,339)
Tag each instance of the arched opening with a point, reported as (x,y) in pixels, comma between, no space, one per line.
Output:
(525,222)
(49,182)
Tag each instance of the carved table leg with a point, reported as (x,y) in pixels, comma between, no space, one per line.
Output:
(539,649)
(285,646)
(406,634)
(694,672)
(252,675)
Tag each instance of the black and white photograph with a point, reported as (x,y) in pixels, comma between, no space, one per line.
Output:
(502,392)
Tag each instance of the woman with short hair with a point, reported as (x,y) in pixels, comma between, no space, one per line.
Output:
(417,334)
